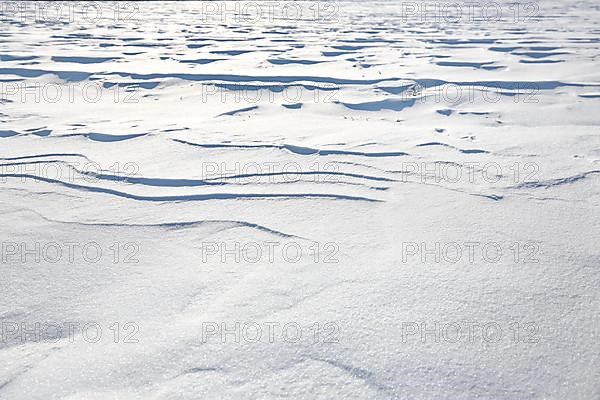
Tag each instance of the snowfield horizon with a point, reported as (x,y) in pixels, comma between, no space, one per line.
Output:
(300,200)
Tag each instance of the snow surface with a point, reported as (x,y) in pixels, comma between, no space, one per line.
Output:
(362,202)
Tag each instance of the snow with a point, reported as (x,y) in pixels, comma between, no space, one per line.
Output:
(366,200)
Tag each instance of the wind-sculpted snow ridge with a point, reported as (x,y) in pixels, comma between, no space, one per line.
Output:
(186,197)
(327,200)
(296,149)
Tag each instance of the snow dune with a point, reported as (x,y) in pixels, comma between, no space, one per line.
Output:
(338,199)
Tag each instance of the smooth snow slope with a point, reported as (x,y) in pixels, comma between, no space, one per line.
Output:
(318,200)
